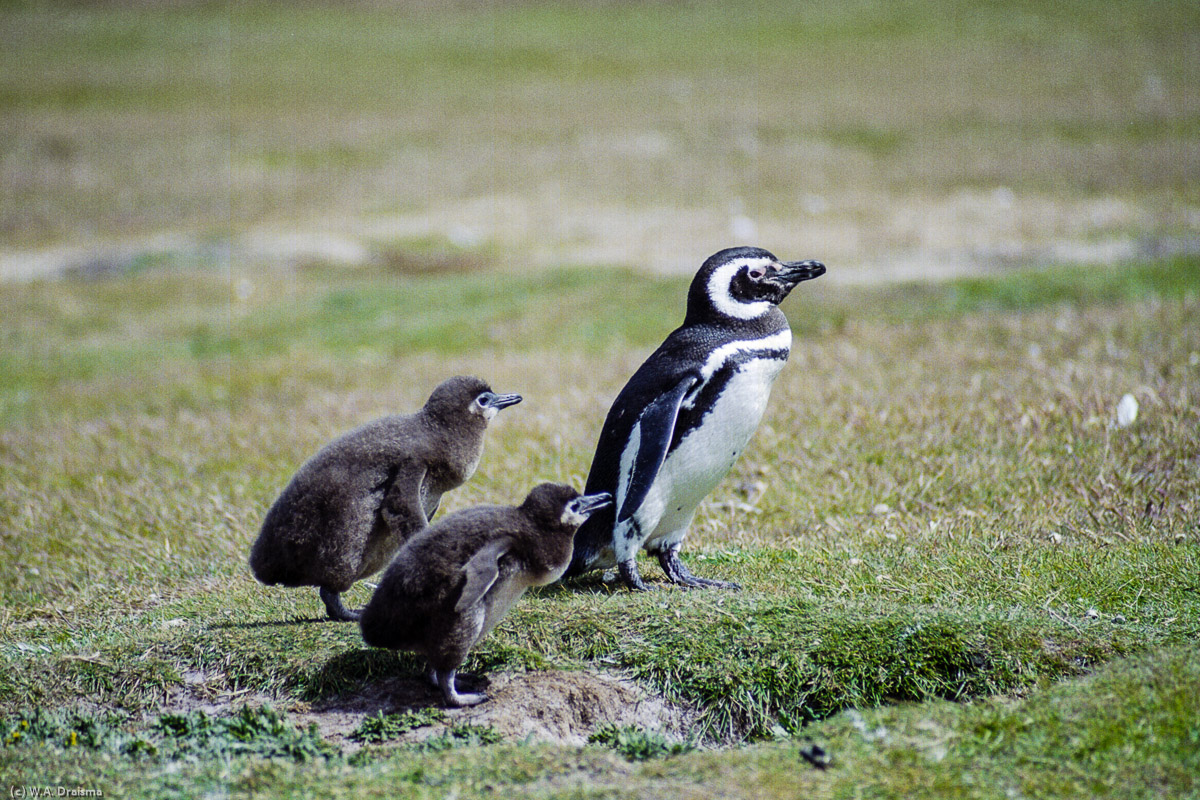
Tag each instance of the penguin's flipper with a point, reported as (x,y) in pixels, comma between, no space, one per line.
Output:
(481,570)
(652,437)
(401,508)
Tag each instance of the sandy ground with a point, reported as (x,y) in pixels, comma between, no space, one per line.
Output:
(863,241)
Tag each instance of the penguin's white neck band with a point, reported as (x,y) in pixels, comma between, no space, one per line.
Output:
(718,291)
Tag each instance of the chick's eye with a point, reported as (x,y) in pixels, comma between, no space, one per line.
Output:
(483,400)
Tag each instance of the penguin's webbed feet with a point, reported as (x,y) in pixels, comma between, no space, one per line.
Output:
(334,608)
(445,680)
(679,574)
(631,578)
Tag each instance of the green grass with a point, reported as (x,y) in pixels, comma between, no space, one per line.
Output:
(1129,730)
(83,330)
(636,744)
(383,727)
(938,507)
(962,577)
(753,662)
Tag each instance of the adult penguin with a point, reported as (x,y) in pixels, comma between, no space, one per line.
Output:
(688,412)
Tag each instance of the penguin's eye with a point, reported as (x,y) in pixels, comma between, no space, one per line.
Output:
(757,272)
(484,400)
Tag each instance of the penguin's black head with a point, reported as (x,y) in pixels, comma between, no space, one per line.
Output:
(744,283)
(466,397)
(557,505)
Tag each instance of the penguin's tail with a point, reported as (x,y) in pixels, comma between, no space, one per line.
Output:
(578,565)
(388,628)
(264,564)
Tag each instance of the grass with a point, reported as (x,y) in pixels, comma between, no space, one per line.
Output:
(636,744)
(962,576)
(939,507)
(383,727)
(1129,730)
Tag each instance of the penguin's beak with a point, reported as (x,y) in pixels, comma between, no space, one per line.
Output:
(791,273)
(505,400)
(587,504)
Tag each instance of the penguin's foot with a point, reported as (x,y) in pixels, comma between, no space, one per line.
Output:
(445,679)
(630,576)
(678,572)
(334,608)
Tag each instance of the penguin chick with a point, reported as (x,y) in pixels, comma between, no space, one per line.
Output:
(352,505)
(452,582)
(681,421)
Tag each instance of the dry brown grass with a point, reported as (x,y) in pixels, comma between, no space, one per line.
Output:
(918,138)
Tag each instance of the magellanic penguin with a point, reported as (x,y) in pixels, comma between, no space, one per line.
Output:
(681,421)
(352,505)
(451,583)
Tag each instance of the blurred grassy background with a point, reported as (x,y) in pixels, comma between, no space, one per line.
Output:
(913,137)
(939,503)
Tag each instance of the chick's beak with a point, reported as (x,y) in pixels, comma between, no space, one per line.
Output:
(589,503)
(506,400)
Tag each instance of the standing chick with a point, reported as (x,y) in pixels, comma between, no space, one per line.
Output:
(685,416)
(352,505)
(451,583)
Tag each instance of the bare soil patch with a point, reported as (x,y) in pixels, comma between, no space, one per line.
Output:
(554,706)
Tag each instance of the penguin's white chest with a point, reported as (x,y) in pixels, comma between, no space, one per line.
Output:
(709,451)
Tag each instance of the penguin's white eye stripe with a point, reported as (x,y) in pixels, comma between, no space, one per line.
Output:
(724,301)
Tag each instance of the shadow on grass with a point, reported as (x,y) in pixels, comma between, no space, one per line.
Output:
(268,623)
(365,672)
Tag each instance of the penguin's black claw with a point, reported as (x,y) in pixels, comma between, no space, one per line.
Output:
(679,574)
(334,608)
(705,583)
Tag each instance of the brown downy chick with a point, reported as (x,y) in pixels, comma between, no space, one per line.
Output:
(450,584)
(352,505)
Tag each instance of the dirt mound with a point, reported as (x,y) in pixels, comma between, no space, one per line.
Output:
(550,706)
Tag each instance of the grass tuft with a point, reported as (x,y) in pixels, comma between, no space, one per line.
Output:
(636,744)
(456,736)
(261,732)
(383,727)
